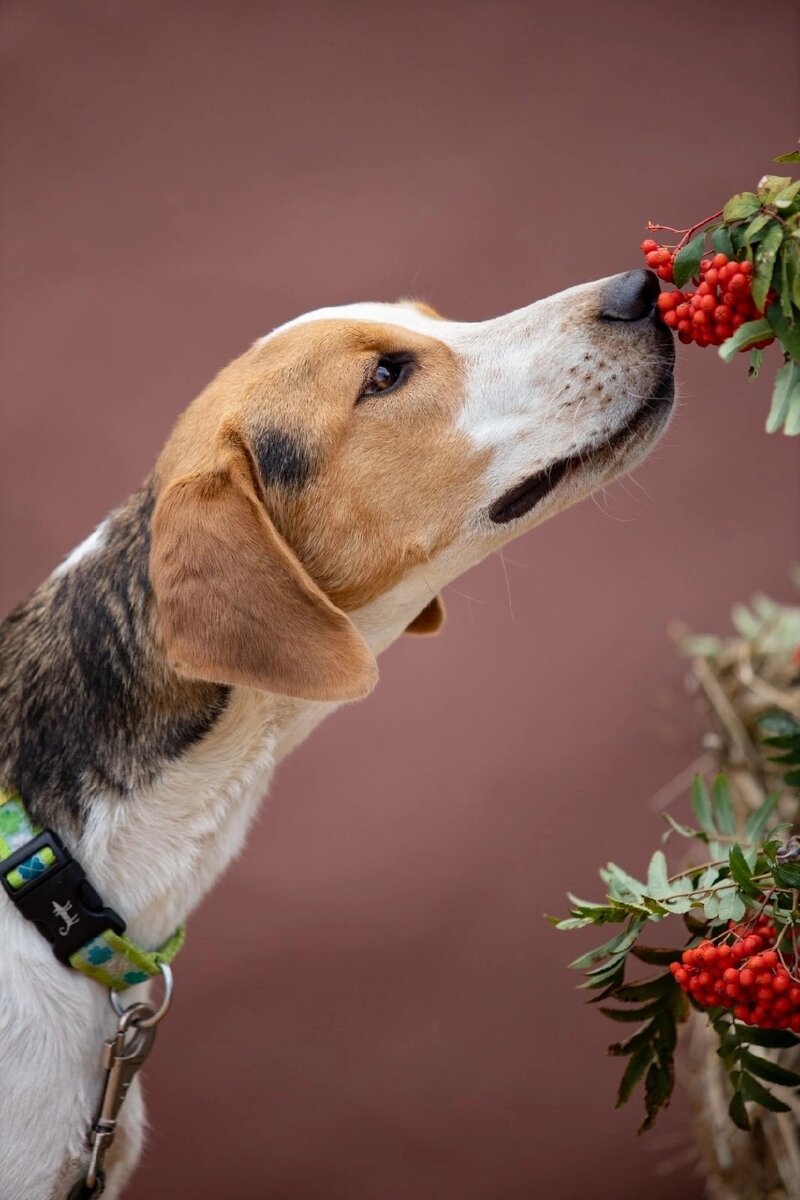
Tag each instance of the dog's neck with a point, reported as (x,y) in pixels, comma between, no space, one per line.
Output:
(152,780)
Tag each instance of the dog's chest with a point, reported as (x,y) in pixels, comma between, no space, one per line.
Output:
(154,855)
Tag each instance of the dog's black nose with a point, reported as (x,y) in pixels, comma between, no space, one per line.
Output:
(630,297)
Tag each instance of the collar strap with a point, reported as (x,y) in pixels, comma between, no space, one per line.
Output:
(50,889)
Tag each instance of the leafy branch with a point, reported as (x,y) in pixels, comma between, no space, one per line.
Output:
(745,877)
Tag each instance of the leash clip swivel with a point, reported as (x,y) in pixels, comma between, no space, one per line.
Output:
(123,1055)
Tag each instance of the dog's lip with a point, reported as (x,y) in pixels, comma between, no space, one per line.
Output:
(519,500)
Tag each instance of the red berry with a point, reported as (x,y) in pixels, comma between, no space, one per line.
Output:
(719,260)
(671,319)
(648,245)
(738,282)
(746,267)
(665,273)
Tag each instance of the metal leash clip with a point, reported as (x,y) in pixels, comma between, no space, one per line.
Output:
(123,1055)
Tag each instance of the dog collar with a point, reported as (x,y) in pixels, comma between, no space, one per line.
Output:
(50,889)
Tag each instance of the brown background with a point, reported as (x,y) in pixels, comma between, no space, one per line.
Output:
(370,1005)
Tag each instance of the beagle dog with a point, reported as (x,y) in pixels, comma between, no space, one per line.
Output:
(307,509)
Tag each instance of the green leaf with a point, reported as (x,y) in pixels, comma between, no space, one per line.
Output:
(741,873)
(611,963)
(765,264)
(701,803)
(611,981)
(787,263)
(731,906)
(711,907)
(775,724)
(646,989)
(786,195)
(627,1016)
(737,1110)
(776,1039)
(658,884)
(789,334)
(687,260)
(667,1037)
(679,904)
(621,885)
(722,806)
(684,831)
(756,362)
(656,956)
(740,207)
(752,1090)
(646,1033)
(787,875)
(634,1073)
(765,1068)
(746,335)
(620,943)
(792,156)
(756,225)
(771,186)
(721,241)
(657,1092)
(758,821)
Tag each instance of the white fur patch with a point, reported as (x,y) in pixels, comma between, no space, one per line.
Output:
(88,546)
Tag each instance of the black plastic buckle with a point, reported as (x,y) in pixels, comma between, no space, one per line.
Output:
(60,901)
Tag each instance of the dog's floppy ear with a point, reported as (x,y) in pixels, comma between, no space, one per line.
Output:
(234,604)
(430,620)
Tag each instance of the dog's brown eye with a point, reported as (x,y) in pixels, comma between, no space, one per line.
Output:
(386,375)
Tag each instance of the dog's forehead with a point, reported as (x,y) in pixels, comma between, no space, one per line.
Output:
(416,318)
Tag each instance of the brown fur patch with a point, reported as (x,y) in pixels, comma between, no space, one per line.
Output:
(234,604)
(389,480)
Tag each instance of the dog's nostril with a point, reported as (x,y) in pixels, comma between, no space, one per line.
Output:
(630,297)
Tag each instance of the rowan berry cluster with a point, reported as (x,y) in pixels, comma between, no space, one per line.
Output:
(745,974)
(722,302)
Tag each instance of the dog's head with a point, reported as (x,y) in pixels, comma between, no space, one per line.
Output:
(330,481)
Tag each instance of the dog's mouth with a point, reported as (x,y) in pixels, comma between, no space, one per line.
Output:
(644,426)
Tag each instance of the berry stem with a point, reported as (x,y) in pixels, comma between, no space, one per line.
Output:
(687,233)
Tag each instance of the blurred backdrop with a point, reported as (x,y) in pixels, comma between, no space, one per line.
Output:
(370,1006)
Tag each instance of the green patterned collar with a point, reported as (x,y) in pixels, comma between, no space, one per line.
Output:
(50,889)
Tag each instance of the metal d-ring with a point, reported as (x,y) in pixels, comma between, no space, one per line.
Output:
(155,1016)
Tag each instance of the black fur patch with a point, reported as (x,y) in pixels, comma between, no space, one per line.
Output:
(281,459)
(87,704)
